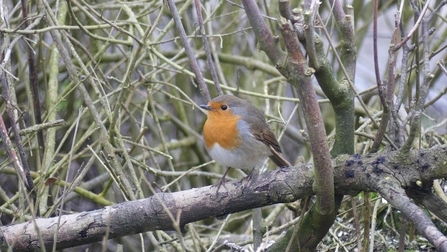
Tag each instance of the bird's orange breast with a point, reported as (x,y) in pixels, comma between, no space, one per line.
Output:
(221,128)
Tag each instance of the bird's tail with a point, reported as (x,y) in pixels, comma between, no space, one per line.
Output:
(278,159)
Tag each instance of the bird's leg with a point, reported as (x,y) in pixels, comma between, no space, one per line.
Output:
(222,180)
(252,174)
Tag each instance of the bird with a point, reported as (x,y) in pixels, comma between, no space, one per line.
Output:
(236,135)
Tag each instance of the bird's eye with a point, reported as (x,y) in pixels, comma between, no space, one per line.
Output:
(223,107)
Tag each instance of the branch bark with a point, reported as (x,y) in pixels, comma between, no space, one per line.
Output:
(383,173)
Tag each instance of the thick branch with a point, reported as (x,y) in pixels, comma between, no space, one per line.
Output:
(352,174)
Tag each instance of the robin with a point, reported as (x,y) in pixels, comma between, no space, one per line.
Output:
(237,135)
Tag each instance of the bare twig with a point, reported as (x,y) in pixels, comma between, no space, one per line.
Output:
(423,89)
(21,164)
(16,162)
(415,27)
(356,224)
(385,88)
(33,83)
(189,52)
(67,58)
(206,46)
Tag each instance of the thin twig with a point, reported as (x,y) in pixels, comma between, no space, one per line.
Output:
(189,52)
(206,46)
(34,84)
(21,164)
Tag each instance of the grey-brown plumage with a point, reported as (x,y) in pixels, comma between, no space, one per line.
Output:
(252,130)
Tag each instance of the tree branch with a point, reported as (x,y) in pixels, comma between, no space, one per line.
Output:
(383,173)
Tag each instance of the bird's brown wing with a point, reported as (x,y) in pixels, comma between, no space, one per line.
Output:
(266,136)
(260,129)
(263,133)
(269,138)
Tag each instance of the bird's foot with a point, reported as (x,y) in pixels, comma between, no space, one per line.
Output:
(222,181)
(252,176)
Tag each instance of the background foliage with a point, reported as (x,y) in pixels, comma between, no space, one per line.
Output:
(132,126)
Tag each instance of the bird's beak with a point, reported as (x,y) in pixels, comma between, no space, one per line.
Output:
(205,107)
